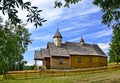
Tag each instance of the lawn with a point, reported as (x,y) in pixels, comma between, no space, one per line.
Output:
(107,76)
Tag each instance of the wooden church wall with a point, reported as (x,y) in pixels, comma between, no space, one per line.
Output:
(56,63)
(86,61)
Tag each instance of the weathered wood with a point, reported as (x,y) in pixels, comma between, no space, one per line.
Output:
(97,61)
(39,73)
(47,62)
(25,74)
(34,74)
(57,65)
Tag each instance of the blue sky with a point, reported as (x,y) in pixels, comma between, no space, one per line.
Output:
(82,19)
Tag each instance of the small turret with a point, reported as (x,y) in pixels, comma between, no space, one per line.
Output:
(82,41)
(58,38)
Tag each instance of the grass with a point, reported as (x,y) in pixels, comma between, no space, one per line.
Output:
(107,76)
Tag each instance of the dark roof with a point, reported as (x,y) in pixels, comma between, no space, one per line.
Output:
(45,53)
(38,55)
(86,49)
(57,34)
(58,51)
(41,54)
(69,48)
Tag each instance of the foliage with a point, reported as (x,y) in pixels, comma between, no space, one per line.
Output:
(67,3)
(111,17)
(28,67)
(114,51)
(9,7)
(13,43)
(111,11)
(20,65)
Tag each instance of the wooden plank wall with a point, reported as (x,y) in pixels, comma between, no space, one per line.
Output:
(56,65)
(96,61)
(47,62)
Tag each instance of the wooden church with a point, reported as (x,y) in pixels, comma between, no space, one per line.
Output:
(70,55)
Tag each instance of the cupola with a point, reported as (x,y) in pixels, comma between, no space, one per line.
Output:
(57,38)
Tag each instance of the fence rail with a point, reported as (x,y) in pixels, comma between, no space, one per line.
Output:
(39,73)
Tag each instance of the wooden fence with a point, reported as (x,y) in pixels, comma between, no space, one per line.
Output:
(39,73)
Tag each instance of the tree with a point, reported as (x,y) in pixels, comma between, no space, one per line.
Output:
(111,18)
(114,51)
(9,7)
(14,41)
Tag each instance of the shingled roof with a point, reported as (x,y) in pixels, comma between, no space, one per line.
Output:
(57,34)
(45,53)
(38,55)
(86,49)
(69,48)
(58,51)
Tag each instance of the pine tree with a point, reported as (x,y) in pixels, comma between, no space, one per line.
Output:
(114,51)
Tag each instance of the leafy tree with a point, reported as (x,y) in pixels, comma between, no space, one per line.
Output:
(9,7)
(13,43)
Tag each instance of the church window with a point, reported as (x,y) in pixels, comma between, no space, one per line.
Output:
(79,59)
(60,60)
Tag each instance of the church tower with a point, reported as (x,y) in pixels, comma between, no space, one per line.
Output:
(57,38)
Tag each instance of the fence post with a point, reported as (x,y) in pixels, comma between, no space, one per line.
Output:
(64,73)
(4,76)
(79,72)
(25,74)
(39,72)
(52,73)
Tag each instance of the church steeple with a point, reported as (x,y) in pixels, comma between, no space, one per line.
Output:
(82,41)
(57,34)
(58,38)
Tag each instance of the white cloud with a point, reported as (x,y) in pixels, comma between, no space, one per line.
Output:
(52,14)
(99,34)
(104,47)
(43,37)
(33,48)
(74,39)
(66,29)
(83,8)
(89,11)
